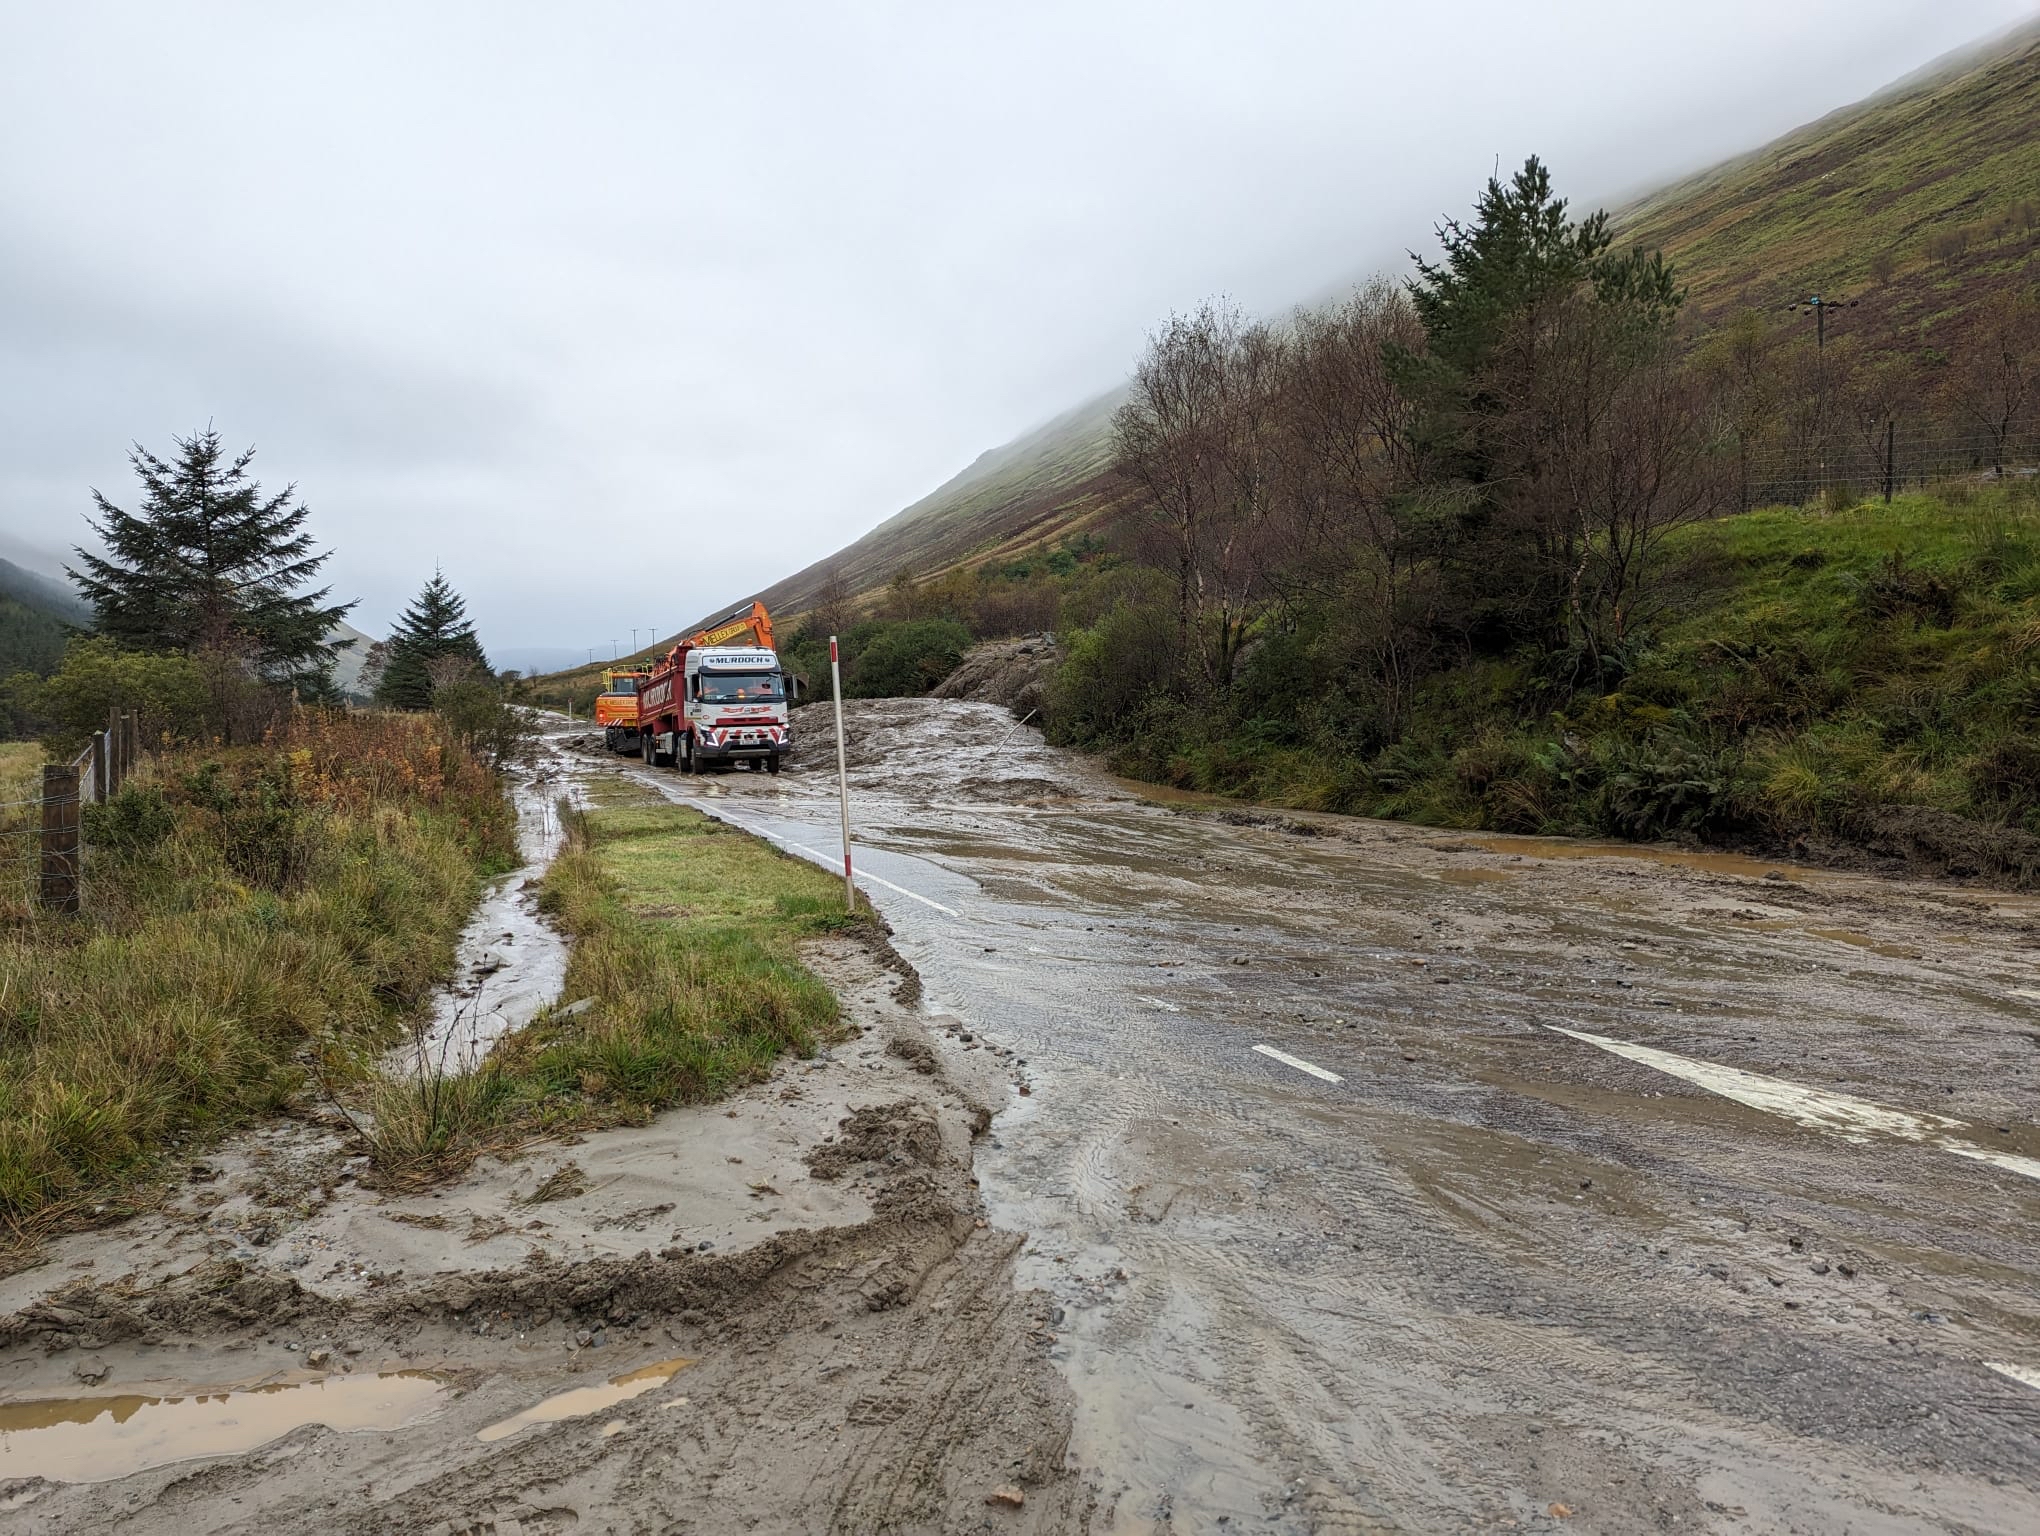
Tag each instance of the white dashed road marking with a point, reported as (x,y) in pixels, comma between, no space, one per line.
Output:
(1817,1109)
(1299,1063)
(2024,1375)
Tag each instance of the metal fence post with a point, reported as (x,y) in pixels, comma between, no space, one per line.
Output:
(60,851)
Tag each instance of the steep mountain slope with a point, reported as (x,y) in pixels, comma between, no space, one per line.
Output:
(1924,199)
(1921,203)
(1048,482)
(350,658)
(37,614)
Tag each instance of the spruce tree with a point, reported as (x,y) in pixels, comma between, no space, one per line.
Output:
(210,563)
(433,630)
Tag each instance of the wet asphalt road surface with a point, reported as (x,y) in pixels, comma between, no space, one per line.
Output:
(1348,1235)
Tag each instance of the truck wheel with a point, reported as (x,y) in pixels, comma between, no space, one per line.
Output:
(772,763)
(687,762)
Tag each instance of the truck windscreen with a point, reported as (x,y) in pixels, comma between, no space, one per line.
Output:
(740,687)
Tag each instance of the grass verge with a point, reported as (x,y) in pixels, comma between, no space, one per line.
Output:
(256,919)
(1835,685)
(686,947)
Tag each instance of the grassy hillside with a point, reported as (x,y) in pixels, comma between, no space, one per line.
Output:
(1921,203)
(1045,485)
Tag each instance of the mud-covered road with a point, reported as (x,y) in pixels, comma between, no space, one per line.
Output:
(1395,1180)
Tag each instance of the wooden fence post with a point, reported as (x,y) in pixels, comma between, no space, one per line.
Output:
(60,850)
(116,770)
(131,735)
(102,765)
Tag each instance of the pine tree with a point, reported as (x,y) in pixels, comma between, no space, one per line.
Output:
(431,638)
(210,563)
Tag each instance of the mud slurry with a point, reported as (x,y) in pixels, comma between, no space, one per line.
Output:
(1746,1274)
(759,1349)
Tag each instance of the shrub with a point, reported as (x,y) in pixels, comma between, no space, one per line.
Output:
(906,659)
(1111,672)
(134,821)
(1665,787)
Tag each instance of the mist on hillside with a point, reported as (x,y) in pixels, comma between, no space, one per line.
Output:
(627,317)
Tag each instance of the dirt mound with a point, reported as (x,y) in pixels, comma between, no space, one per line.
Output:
(1013,673)
(1941,843)
(895,1135)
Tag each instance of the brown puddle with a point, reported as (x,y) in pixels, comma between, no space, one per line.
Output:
(1864,941)
(96,1439)
(1475,876)
(581,1401)
(1680,858)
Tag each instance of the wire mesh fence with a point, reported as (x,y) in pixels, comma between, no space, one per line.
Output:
(1879,460)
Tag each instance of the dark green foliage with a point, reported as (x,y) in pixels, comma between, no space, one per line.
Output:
(904,660)
(432,645)
(1669,787)
(211,564)
(881,658)
(1893,683)
(173,692)
(484,722)
(132,822)
(268,829)
(1519,251)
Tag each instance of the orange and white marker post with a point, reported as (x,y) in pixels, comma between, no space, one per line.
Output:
(842,774)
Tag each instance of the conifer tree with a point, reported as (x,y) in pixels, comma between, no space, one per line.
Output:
(431,638)
(210,563)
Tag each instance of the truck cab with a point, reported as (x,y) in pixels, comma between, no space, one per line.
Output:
(736,708)
(718,697)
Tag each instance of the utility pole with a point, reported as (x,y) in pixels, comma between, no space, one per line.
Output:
(1820,308)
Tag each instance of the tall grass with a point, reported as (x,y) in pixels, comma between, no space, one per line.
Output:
(686,949)
(255,918)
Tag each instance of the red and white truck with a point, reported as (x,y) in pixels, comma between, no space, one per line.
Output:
(718,698)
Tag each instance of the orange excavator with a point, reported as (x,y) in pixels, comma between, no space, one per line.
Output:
(616,706)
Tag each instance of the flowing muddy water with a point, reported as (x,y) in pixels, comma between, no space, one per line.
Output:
(1357,1218)
(105,1436)
(511,962)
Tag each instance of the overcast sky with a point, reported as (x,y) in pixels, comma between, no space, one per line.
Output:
(621,311)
